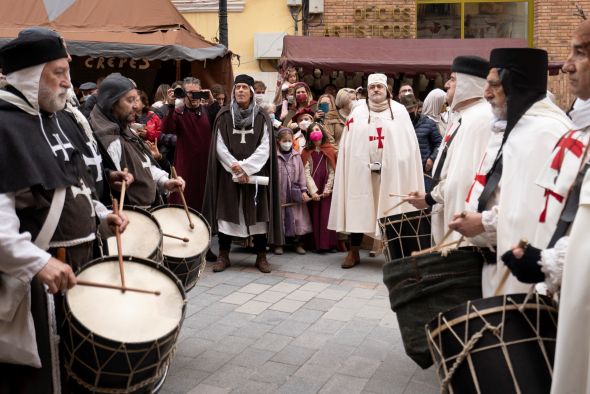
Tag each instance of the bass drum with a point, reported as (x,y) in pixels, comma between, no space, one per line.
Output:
(115,342)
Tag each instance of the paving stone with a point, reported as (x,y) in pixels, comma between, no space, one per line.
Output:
(273,372)
(272,317)
(215,332)
(372,313)
(219,308)
(301,295)
(285,287)
(269,280)
(233,344)
(327,326)
(208,389)
(254,288)
(427,376)
(421,388)
(254,307)
(192,347)
(373,349)
(359,366)
(236,319)
(343,384)
(294,355)
(253,330)
(211,360)
(315,287)
(312,340)
(269,296)
(237,298)
(306,315)
(315,372)
(349,336)
(241,279)
(253,387)
(354,304)
(252,357)
(184,381)
(200,320)
(229,377)
(300,385)
(331,355)
(272,342)
(285,305)
(330,294)
(341,314)
(290,328)
(320,304)
(222,289)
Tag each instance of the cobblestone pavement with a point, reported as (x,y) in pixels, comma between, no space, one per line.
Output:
(307,327)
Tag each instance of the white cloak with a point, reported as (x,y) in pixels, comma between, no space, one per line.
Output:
(360,196)
(463,157)
(529,145)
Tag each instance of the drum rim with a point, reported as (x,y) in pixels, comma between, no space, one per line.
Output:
(434,328)
(156,265)
(191,210)
(158,251)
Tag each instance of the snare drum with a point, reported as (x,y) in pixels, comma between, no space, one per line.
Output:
(118,342)
(142,237)
(185,259)
(503,344)
(405,233)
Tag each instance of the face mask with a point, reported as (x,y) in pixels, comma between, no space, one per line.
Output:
(301,98)
(304,124)
(272,117)
(286,146)
(259,98)
(316,136)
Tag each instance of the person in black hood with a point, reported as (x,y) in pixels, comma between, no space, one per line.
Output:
(111,119)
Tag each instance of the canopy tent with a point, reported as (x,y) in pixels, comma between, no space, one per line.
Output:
(132,29)
(389,56)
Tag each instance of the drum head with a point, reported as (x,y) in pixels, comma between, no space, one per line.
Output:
(128,317)
(173,221)
(141,238)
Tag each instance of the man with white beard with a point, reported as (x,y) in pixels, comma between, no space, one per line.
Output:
(510,202)
(378,156)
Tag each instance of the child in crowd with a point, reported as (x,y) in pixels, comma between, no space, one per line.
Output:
(293,191)
(319,159)
(269,109)
(299,124)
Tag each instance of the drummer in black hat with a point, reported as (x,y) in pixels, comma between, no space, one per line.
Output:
(87,89)
(48,206)
(510,201)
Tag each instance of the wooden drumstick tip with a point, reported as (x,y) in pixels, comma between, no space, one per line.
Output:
(523,243)
(192,226)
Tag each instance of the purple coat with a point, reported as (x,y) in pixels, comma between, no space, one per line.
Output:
(296,219)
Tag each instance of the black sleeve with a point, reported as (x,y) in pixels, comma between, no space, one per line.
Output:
(212,110)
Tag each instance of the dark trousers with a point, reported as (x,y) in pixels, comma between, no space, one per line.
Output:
(260,241)
(356,239)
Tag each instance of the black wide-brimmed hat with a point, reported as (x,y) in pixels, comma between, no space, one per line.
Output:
(32,47)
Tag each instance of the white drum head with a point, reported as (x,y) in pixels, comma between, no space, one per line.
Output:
(173,221)
(140,239)
(128,317)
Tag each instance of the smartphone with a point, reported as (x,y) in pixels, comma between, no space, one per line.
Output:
(324,107)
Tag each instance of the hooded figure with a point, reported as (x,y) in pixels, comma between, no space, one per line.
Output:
(510,201)
(463,145)
(47,202)
(378,156)
(432,107)
(110,119)
(241,192)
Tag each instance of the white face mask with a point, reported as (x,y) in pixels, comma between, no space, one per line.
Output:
(304,124)
(259,98)
(286,146)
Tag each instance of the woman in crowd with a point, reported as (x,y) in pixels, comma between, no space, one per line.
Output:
(327,114)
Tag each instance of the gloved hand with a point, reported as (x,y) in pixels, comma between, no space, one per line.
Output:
(526,269)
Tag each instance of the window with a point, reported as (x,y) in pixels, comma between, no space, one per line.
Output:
(474,19)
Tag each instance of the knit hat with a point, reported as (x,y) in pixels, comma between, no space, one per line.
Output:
(111,90)
(377,78)
(471,65)
(32,47)
(243,78)
(88,86)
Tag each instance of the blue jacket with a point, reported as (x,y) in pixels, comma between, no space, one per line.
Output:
(428,136)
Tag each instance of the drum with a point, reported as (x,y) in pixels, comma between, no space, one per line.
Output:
(142,237)
(405,233)
(422,286)
(503,344)
(185,259)
(117,342)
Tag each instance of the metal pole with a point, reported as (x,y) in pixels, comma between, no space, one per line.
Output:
(223,23)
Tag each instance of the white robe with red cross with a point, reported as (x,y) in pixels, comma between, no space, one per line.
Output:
(361,196)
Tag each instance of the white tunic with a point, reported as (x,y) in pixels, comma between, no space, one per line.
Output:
(529,145)
(361,196)
(250,165)
(472,125)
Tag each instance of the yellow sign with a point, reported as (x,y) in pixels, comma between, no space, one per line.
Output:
(377,22)
(102,63)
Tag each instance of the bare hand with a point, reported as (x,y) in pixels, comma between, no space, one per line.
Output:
(326,194)
(170,99)
(467,224)
(154,150)
(315,197)
(518,252)
(57,276)
(428,165)
(237,169)
(417,199)
(119,220)
(116,179)
(243,178)
(174,184)
(293,125)
(319,114)
(305,197)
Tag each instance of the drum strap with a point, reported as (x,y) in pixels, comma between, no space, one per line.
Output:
(570,208)
(492,182)
(443,157)
(52,219)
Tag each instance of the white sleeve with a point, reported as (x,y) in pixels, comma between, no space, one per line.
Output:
(552,261)
(19,256)
(489,220)
(101,213)
(437,192)
(115,152)
(258,159)
(223,155)
(160,176)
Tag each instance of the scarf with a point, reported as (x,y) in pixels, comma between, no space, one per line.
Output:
(379,107)
(327,149)
(243,118)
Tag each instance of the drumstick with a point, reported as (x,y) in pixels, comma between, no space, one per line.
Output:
(190,222)
(290,204)
(523,243)
(119,246)
(395,206)
(115,287)
(184,239)
(398,195)
(436,248)
(123,188)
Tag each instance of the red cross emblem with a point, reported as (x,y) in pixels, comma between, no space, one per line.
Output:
(549,193)
(567,143)
(349,121)
(378,138)
(479,178)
